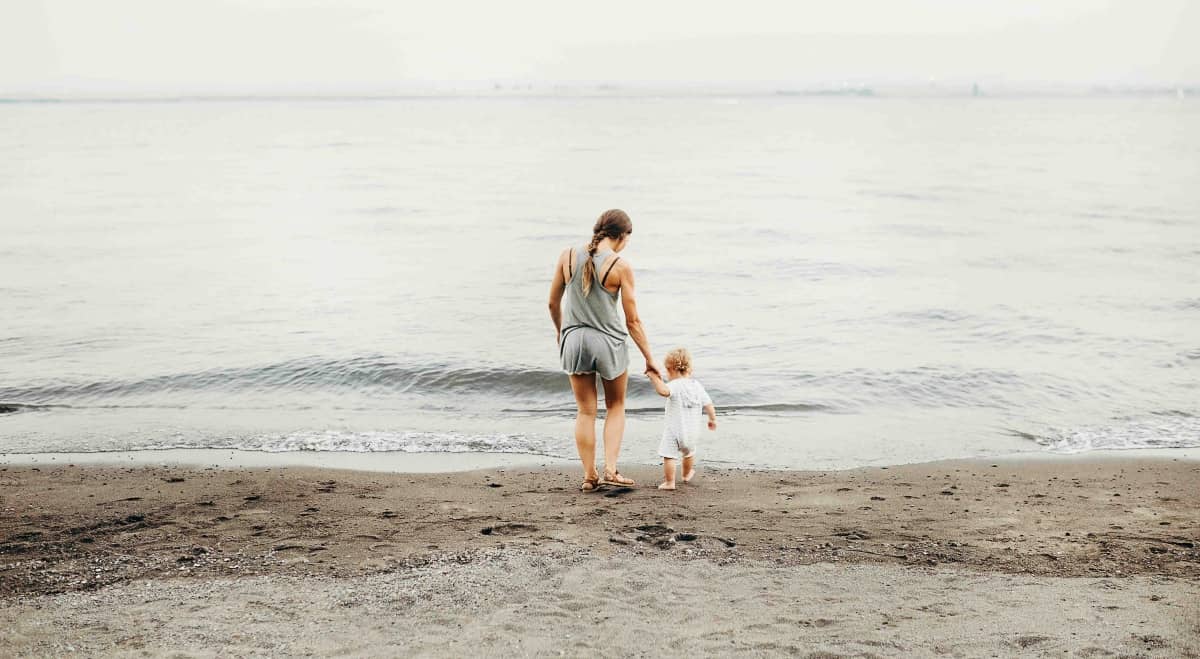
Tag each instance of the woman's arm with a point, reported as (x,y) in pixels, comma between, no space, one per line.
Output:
(557,286)
(632,322)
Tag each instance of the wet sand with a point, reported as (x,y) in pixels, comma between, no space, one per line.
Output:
(1088,557)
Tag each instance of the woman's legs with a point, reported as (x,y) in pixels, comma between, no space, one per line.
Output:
(584,387)
(614,421)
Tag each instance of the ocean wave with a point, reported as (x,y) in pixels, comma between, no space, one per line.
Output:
(13,408)
(1172,429)
(359,374)
(517,389)
(374,381)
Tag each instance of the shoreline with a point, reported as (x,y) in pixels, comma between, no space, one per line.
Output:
(402,462)
(949,557)
(397,462)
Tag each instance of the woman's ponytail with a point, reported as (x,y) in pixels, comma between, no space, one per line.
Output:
(612,224)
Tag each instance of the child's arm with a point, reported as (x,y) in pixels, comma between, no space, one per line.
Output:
(659,386)
(709,409)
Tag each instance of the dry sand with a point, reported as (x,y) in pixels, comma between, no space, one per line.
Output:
(993,558)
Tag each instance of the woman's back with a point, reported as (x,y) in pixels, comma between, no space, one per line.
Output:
(600,308)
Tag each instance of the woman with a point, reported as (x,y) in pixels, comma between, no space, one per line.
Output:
(593,338)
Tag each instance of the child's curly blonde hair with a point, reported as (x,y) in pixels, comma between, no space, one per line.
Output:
(679,360)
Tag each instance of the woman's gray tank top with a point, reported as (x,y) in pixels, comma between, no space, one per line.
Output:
(599,310)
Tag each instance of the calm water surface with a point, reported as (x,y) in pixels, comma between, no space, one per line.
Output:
(861,281)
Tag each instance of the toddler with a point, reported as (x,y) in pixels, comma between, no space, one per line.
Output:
(687,403)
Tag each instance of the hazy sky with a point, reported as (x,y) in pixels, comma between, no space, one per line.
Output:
(246,45)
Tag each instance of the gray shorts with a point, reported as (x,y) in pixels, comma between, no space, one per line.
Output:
(586,350)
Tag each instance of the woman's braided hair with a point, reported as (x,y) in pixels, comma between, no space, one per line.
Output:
(612,224)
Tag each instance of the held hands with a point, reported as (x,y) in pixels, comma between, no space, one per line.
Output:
(653,370)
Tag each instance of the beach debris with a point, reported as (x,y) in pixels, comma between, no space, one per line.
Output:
(1151,640)
(494,485)
(174,479)
(508,529)
(654,529)
(853,534)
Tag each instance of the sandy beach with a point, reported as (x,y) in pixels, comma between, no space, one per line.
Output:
(1068,557)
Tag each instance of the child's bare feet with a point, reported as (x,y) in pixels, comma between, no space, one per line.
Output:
(687,478)
(667,486)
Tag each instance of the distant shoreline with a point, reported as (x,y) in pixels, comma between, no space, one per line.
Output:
(1188,91)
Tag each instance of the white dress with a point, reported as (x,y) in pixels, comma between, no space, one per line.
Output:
(684,418)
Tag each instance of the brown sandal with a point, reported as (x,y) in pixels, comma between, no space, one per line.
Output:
(617,479)
(590,484)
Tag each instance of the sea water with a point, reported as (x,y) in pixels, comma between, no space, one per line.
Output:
(860,280)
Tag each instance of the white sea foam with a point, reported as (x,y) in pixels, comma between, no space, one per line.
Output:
(1165,431)
(405,442)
